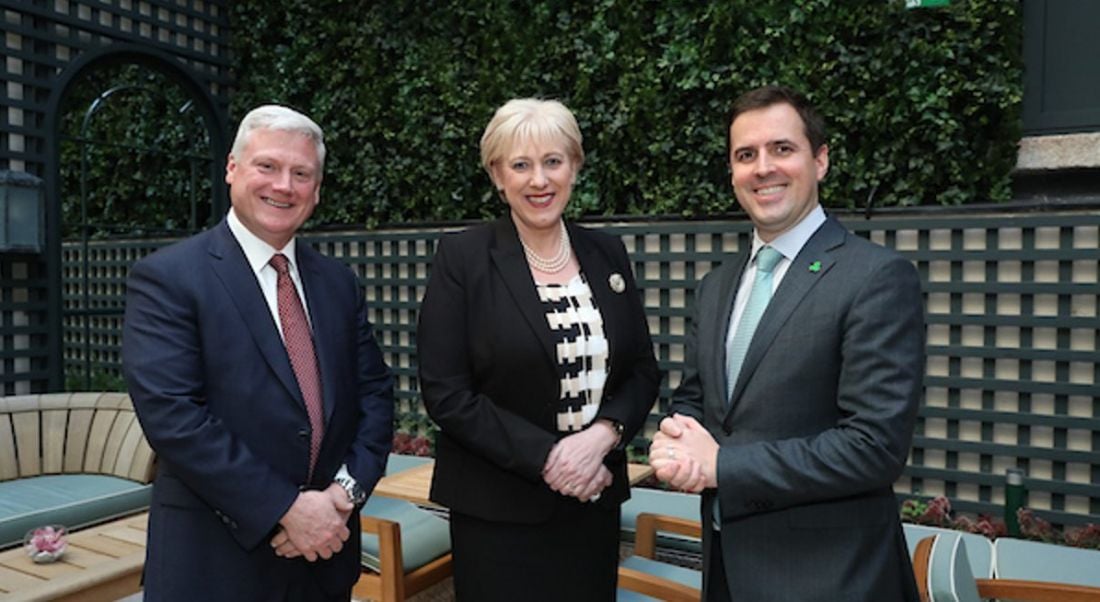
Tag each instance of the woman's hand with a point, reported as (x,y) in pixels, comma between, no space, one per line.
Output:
(573,466)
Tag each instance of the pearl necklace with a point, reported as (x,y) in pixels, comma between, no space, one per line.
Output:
(556,263)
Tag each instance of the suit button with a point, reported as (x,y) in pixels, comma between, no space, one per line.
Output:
(303,434)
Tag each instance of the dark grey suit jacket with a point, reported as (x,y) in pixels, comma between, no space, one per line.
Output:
(819,424)
(489,376)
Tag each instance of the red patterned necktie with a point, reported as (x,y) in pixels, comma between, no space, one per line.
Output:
(299,346)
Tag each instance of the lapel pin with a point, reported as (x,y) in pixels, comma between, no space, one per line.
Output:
(616,282)
(815,267)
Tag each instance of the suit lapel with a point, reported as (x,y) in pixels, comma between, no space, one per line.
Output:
(597,270)
(228,262)
(507,257)
(795,287)
(727,294)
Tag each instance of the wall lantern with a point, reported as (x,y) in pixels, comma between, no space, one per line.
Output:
(21,212)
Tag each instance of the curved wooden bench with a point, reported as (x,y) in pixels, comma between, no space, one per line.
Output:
(73,458)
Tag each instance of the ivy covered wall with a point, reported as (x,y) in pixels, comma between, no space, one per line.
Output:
(923,105)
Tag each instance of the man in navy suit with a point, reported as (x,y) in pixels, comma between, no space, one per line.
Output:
(260,386)
(802,378)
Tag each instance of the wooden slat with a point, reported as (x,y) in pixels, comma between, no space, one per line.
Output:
(114,548)
(1036,591)
(84,558)
(76,438)
(126,534)
(114,401)
(144,466)
(84,400)
(12,580)
(22,563)
(113,445)
(130,440)
(97,439)
(27,443)
(138,521)
(53,440)
(105,583)
(9,469)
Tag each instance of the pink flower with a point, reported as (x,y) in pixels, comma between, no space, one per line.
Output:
(45,544)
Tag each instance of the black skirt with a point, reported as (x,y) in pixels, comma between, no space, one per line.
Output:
(574,556)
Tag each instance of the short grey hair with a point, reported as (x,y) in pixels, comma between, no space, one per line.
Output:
(279,118)
(523,120)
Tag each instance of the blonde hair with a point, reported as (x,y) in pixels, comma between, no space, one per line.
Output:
(529,119)
(283,119)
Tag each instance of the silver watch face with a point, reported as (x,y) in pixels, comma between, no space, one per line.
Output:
(354,491)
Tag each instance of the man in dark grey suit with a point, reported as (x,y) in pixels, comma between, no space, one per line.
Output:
(802,378)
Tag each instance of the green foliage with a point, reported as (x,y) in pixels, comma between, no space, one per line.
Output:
(99,380)
(135,158)
(923,105)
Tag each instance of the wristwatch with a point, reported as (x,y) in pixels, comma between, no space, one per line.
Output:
(356,495)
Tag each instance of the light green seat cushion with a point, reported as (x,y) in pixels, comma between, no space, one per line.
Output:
(73,500)
(398,462)
(424,536)
(1038,561)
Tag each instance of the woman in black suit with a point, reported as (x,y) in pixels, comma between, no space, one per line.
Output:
(536,363)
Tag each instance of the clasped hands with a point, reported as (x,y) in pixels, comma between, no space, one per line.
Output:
(575,464)
(315,526)
(684,454)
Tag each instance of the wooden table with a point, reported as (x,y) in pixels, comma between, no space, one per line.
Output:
(101,563)
(415,483)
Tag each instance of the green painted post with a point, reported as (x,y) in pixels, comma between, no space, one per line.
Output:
(1015,498)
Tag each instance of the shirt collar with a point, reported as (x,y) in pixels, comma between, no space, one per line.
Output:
(790,243)
(256,251)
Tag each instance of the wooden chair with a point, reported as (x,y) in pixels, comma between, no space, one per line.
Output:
(643,574)
(665,503)
(1046,572)
(942,569)
(1042,572)
(405,550)
(979,548)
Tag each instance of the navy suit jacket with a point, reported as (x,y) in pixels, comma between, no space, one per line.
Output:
(819,423)
(217,398)
(489,377)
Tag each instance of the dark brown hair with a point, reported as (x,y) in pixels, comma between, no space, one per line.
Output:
(766,96)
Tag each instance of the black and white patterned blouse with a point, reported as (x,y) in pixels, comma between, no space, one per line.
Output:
(581,349)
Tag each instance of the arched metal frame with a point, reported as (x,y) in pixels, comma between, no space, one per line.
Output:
(115,54)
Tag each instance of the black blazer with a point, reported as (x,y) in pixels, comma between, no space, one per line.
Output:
(489,378)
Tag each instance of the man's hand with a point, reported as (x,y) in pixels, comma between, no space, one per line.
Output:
(574,464)
(315,526)
(684,454)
